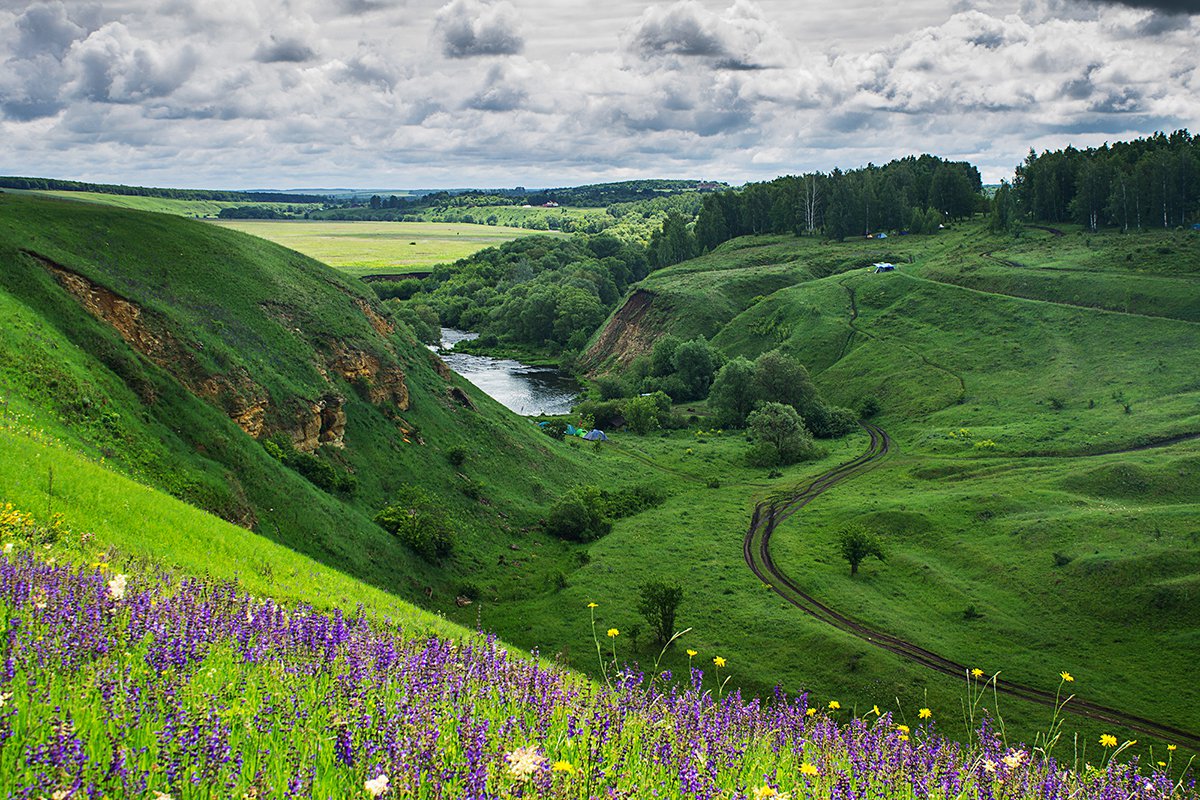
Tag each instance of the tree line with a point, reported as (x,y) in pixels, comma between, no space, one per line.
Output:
(916,194)
(56,185)
(1149,182)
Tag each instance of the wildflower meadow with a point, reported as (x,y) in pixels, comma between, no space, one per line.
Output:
(116,686)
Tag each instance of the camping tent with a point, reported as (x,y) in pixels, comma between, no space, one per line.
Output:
(595,435)
(571,429)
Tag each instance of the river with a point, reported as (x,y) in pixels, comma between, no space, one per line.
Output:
(524,389)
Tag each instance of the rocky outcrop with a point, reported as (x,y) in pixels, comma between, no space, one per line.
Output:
(321,423)
(381,325)
(384,385)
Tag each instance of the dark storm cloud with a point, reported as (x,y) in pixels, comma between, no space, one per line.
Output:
(284,49)
(479,28)
(367,6)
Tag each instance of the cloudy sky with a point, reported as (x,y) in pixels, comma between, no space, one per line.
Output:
(417,93)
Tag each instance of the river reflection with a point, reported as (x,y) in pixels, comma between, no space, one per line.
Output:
(524,389)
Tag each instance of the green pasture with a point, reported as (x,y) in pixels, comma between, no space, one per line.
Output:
(165,205)
(365,248)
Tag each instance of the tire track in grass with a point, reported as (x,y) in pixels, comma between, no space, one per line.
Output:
(769,513)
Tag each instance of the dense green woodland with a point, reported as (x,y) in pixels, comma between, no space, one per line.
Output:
(1153,182)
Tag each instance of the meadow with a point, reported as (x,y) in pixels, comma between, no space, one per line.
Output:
(165,205)
(366,248)
(168,688)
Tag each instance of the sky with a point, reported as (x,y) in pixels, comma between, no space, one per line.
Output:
(496,93)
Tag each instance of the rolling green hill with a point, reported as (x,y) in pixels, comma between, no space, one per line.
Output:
(172,350)
(1042,392)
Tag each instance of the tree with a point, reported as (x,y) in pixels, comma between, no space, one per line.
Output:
(857,543)
(695,363)
(778,429)
(645,414)
(781,379)
(658,603)
(1003,210)
(734,393)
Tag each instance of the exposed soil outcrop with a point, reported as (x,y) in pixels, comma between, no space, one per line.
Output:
(322,423)
(629,333)
(244,401)
(383,385)
(381,325)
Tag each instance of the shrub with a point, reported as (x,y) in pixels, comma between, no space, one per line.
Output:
(868,407)
(578,516)
(647,413)
(457,455)
(555,429)
(416,519)
(313,468)
(604,414)
(657,603)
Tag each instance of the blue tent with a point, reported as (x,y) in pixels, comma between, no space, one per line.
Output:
(596,436)
(571,429)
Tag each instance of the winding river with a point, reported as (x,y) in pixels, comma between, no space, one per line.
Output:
(524,389)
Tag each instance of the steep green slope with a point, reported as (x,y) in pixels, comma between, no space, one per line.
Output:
(168,347)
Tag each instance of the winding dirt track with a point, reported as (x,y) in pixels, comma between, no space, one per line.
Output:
(769,513)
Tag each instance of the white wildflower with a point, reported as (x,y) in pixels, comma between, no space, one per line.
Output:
(376,786)
(8,548)
(989,766)
(524,761)
(116,587)
(1014,759)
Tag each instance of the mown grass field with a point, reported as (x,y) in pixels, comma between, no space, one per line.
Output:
(365,248)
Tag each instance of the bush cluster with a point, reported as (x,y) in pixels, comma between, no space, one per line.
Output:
(315,469)
(419,522)
(587,512)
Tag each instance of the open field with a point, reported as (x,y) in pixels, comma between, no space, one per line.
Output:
(163,205)
(365,248)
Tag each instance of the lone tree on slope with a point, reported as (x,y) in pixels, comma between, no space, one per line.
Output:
(857,543)
(658,602)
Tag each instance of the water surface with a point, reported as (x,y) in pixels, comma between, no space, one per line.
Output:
(524,389)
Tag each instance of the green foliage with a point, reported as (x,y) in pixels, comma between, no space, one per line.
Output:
(603,414)
(779,429)
(457,455)
(647,413)
(734,393)
(856,543)
(658,602)
(314,468)
(417,519)
(611,388)
(555,429)
(579,516)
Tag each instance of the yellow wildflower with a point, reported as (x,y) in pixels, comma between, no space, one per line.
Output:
(593,605)
(613,633)
(563,766)
(1171,748)
(719,661)
(834,705)
(692,653)
(925,713)
(902,728)
(1162,763)
(810,712)
(1067,677)
(1108,740)
(808,769)
(765,792)
(977,673)
(876,711)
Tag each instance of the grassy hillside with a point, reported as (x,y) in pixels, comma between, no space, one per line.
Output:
(159,344)
(1026,528)
(166,205)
